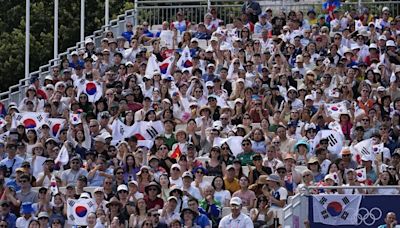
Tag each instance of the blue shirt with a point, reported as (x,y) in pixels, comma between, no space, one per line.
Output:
(10,218)
(98,180)
(13,163)
(127,35)
(202,220)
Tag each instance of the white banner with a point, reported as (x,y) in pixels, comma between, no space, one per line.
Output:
(30,120)
(78,209)
(362,150)
(38,165)
(234,143)
(63,156)
(336,210)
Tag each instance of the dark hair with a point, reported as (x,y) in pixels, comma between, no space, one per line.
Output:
(213,182)
(194,199)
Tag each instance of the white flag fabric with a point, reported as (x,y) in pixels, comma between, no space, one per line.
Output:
(336,210)
(166,37)
(75,118)
(335,140)
(56,124)
(143,130)
(30,120)
(234,143)
(78,209)
(63,156)
(361,174)
(3,122)
(145,143)
(363,149)
(38,165)
(185,60)
(93,89)
(334,110)
(152,66)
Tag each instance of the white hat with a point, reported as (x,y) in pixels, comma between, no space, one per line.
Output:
(43,214)
(310,126)
(330,176)
(128,63)
(309,97)
(49,77)
(194,40)
(209,84)
(193,104)
(385,9)
(214,38)
(240,80)
(122,187)
(354,46)
(239,100)
(85,195)
(236,201)
(106,135)
(299,59)
(166,101)
(292,88)
(176,166)
(390,43)
(49,86)
(187,174)
(373,46)
(98,189)
(347,50)
(210,65)
(380,89)
(88,41)
(74,53)
(99,138)
(133,182)
(382,37)
(105,50)
(209,49)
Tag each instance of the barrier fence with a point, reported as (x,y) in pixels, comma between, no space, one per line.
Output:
(371,213)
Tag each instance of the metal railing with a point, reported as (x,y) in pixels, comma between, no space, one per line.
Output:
(155,12)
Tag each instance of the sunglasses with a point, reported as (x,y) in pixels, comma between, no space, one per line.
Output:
(245,144)
(152,189)
(224,148)
(175,169)
(119,173)
(199,172)
(123,191)
(306,175)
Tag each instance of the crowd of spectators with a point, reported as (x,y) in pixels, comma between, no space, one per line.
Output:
(266,78)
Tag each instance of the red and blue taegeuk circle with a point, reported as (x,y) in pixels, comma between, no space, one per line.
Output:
(334,108)
(29,123)
(55,128)
(334,208)
(91,88)
(81,211)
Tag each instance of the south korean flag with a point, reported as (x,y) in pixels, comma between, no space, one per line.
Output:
(336,210)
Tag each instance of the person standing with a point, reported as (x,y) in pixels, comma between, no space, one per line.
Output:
(252,9)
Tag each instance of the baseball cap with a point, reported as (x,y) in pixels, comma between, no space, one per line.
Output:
(236,201)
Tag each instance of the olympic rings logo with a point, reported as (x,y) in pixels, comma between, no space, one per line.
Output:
(368,217)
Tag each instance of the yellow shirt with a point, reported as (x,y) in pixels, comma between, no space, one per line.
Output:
(232,186)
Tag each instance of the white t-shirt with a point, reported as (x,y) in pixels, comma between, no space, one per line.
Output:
(222,196)
(242,221)
(178,182)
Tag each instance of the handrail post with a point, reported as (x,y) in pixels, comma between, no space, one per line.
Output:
(82,22)
(27,36)
(106,13)
(208,5)
(55,51)
(136,12)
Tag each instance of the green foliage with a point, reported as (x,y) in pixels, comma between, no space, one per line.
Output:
(12,32)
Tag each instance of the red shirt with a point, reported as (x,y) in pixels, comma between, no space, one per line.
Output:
(150,204)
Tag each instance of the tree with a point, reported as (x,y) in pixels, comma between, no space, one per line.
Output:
(12,32)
